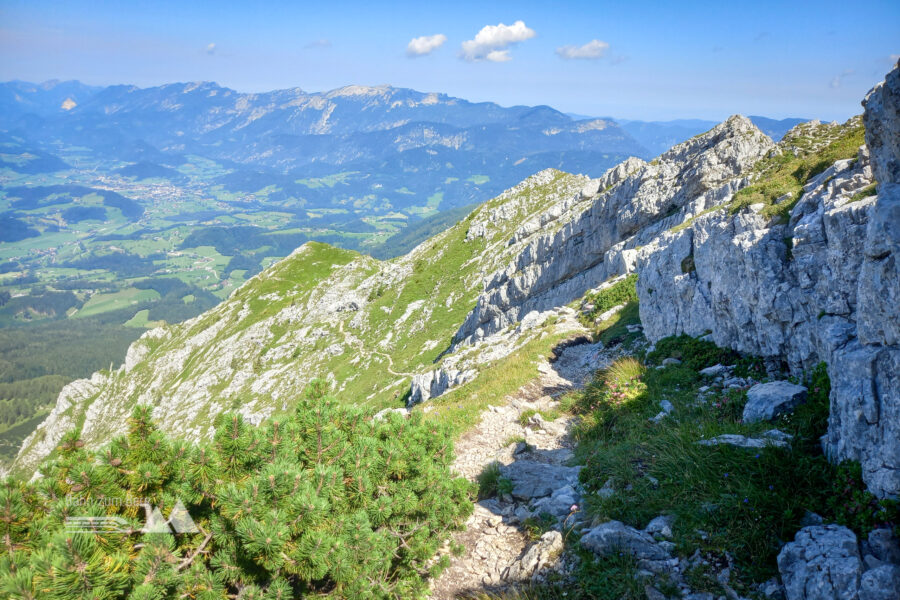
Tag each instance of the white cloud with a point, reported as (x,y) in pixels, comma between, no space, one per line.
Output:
(838,80)
(593,50)
(426,44)
(493,41)
(211,48)
(895,58)
(323,43)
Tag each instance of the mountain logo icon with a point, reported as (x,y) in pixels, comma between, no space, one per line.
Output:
(179,520)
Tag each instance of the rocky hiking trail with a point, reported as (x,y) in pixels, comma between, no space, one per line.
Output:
(498,552)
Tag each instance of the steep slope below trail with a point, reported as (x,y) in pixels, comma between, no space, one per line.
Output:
(356,322)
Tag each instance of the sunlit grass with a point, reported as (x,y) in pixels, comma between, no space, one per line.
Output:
(743,502)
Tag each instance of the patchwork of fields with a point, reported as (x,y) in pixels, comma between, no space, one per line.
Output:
(93,254)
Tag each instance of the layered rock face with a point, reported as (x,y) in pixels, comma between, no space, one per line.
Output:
(583,241)
(823,287)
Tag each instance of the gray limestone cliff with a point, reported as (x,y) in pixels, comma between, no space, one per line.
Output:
(824,286)
(586,239)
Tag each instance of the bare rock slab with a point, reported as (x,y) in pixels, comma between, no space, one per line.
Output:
(615,536)
(766,401)
(533,480)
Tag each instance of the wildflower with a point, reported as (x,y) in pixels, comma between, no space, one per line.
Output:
(726,474)
(573,508)
(771,487)
(757,456)
(746,500)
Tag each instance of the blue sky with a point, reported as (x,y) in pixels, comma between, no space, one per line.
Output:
(639,60)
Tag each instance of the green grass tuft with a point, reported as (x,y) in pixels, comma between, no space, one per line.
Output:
(696,354)
(869,190)
(621,292)
(488,481)
(615,329)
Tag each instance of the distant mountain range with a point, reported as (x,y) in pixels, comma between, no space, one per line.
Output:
(381,131)
(394,137)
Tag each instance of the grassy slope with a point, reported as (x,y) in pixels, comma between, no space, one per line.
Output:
(280,331)
(726,501)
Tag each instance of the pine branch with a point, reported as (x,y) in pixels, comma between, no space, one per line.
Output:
(187,561)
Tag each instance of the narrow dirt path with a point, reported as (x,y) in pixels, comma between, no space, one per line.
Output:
(498,552)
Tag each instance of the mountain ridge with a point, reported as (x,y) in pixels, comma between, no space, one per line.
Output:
(423,299)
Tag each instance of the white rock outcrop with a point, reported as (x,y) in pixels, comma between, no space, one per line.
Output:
(766,401)
(434,383)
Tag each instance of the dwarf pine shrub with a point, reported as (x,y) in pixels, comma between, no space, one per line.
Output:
(327,501)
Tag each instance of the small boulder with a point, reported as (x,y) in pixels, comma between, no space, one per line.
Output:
(881,583)
(615,536)
(608,490)
(884,545)
(765,401)
(591,188)
(740,441)
(383,414)
(822,562)
(713,371)
(811,518)
(772,589)
(734,382)
(777,434)
(667,409)
(661,525)
(652,593)
(670,361)
(560,503)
